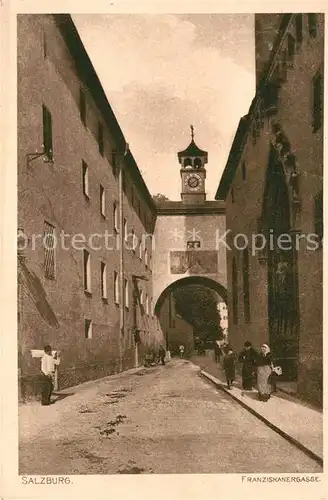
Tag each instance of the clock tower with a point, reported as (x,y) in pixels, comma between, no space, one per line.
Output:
(193,173)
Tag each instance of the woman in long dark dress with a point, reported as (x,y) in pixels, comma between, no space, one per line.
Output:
(264,369)
(248,358)
(229,365)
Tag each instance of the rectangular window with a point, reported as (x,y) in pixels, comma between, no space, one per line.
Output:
(87,271)
(103,280)
(243,168)
(116,288)
(102,201)
(299,28)
(49,251)
(115,218)
(146,257)
(83,107)
(88,328)
(318,217)
(134,242)
(47,132)
(140,249)
(85,179)
(101,139)
(125,229)
(291,48)
(126,293)
(317,101)
(147,305)
(312,22)
(192,245)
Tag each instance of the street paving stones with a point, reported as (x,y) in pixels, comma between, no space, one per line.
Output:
(169,420)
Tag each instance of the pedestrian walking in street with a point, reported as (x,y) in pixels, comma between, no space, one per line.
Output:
(264,369)
(229,365)
(181,351)
(48,366)
(217,351)
(161,355)
(248,358)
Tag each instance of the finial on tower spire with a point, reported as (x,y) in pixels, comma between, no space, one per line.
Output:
(192,132)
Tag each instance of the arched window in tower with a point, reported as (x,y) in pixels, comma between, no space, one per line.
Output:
(198,163)
(247,314)
(234,292)
(187,163)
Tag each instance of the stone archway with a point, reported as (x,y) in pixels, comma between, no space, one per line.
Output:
(175,328)
(192,280)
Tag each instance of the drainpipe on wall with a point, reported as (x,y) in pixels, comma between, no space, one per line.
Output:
(121,243)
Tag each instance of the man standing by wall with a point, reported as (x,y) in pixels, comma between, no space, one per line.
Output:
(48,366)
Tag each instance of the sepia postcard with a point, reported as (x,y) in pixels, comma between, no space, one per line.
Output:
(162,222)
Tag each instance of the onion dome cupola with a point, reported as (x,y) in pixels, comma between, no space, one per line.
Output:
(192,157)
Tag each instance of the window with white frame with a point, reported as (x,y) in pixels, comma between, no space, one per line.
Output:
(134,242)
(103,280)
(116,288)
(140,249)
(126,293)
(85,179)
(115,218)
(102,201)
(87,271)
(88,328)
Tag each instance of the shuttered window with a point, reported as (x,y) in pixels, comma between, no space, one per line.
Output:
(49,251)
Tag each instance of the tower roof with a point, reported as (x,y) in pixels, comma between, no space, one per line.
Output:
(192,150)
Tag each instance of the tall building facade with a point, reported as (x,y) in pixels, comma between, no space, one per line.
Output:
(273,187)
(85,216)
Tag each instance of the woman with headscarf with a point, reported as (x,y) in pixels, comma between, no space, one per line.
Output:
(264,369)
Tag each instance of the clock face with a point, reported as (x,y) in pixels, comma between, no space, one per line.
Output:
(193,182)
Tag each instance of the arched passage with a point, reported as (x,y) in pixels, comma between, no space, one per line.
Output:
(191,280)
(176,328)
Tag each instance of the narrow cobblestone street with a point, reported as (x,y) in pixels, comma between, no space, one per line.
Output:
(158,420)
